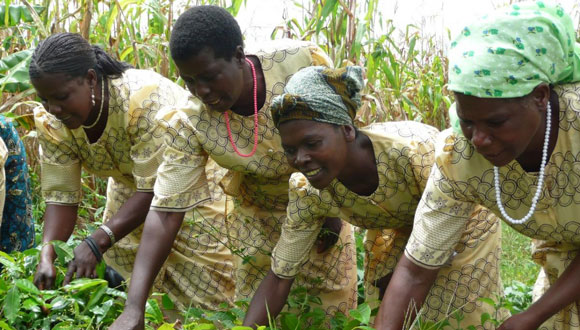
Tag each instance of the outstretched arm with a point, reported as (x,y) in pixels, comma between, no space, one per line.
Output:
(59,223)
(269,299)
(158,235)
(564,291)
(130,216)
(405,294)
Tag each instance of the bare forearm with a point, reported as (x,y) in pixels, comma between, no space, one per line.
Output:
(159,233)
(405,294)
(130,216)
(272,293)
(59,223)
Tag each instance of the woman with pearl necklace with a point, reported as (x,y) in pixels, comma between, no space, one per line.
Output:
(515,75)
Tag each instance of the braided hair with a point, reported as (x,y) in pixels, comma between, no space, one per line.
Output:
(71,54)
(205,26)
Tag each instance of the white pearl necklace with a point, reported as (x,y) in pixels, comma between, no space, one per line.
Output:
(540,177)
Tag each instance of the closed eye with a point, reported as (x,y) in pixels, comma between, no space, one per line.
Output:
(496,123)
(313,144)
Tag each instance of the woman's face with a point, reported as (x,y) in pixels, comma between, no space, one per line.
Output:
(318,150)
(65,97)
(501,130)
(217,82)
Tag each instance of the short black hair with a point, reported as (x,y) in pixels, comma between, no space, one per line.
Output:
(205,26)
(71,54)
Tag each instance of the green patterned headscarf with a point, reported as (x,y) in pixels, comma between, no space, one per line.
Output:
(511,51)
(320,94)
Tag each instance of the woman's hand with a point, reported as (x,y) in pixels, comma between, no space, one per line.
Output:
(521,321)
(329,234)
(84,264)
(45,273)
(130,319)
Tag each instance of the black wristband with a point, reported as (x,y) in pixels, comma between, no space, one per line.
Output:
(93,246)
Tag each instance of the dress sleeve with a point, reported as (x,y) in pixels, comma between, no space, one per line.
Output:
(147,148)
(59,162)
(181,180)
(442,215)
(305,213)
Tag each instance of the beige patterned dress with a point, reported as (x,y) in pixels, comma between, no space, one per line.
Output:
(404,154)
(464,178)
(199,269)
(258,184)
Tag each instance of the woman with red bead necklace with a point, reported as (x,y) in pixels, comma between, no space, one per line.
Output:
(515,73)
(234,127)
(97,115)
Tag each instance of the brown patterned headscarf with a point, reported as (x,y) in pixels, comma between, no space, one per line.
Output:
(320,94)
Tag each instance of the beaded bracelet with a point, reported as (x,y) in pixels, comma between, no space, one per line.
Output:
(109,233)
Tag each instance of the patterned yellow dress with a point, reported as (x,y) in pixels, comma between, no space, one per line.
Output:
(464,178)
(404,154)
(199,269)
(258,184)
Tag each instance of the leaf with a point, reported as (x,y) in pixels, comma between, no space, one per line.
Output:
(12,304)
(14,12)
(83,284)
(65,325)
(166,302)
(9,262)
(329,6)
(27,286)
(31,304)
(167,326)
(14,71)
(488,301)
(63,251)
(96,297)
(362,313)
(484,318)
(289,321)
(5,326)
(153,312)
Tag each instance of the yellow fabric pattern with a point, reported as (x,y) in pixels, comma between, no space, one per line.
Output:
(129,152)
(463,178)
(404,153)
(199,269)
(258,184)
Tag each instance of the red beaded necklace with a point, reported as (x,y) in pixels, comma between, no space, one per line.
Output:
(255,117)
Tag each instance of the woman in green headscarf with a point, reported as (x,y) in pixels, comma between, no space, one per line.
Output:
(515,76)
(373,178)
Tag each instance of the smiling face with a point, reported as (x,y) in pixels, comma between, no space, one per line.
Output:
(502,130)
(217,82)
(318,150)
(68,99)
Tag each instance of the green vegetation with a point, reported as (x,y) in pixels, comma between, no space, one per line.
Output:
(406,80)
